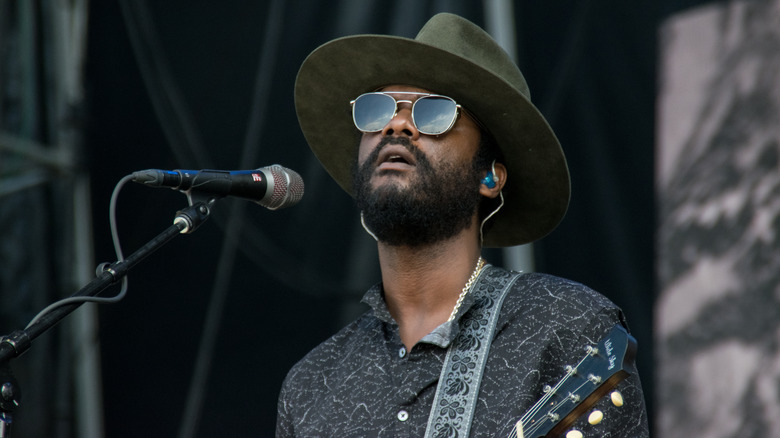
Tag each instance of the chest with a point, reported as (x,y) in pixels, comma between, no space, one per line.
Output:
(380,389)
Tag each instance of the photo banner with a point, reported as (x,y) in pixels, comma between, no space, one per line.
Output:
(718,190)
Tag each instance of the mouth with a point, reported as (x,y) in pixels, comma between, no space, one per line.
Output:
(395,157)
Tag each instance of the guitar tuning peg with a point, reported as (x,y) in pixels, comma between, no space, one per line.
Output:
(595,417)
(617,398)
(574,433)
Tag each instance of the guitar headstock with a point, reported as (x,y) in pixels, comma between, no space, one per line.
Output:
(600,370)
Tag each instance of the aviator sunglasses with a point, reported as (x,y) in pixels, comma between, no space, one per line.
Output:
(432,114)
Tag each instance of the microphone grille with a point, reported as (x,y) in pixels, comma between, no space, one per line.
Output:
(287,188)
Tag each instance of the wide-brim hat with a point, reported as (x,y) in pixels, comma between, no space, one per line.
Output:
(454,57)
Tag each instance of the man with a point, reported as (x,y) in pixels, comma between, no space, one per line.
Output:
(450,156)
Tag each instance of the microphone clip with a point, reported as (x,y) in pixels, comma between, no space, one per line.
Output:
(190,218)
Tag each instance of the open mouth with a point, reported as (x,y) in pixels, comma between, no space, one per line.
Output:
(395,156)
(396,159)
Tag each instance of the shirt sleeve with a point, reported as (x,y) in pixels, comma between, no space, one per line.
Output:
(284,425)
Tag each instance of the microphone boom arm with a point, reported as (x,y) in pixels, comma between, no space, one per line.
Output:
(19,341)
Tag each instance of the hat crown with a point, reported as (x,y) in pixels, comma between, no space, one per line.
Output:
(465,39)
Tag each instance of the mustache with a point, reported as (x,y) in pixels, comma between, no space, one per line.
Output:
(361,173)
(401,141)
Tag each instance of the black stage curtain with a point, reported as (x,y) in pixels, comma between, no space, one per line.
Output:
(180,84)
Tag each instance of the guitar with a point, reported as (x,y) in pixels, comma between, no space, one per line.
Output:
(599,371)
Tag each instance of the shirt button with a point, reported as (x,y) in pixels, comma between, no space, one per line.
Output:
(402,352)
(403,415)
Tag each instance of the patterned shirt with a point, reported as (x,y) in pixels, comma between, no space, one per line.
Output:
(362,382)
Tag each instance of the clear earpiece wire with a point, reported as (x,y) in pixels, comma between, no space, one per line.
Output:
(482,225)
(365,227)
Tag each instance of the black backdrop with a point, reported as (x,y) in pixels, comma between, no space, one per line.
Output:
(200,84)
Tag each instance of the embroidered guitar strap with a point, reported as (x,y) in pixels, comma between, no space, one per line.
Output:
(456,395)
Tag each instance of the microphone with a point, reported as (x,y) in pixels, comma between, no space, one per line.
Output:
(273,186)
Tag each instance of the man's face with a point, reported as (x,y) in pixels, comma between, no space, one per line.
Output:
(416,189)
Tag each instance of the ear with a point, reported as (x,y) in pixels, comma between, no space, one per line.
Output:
(499,176)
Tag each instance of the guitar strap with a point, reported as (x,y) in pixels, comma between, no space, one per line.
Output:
(456,395)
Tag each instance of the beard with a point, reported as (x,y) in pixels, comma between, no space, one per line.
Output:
(438,203)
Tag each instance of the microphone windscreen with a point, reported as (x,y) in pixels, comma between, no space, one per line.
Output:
(287,188)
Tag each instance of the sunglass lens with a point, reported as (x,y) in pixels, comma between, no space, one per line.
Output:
(372,111)
(434,115)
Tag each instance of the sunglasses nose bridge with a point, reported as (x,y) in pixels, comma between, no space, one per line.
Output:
(402,120)
(399,107)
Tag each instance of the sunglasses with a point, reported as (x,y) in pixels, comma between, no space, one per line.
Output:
(432,114)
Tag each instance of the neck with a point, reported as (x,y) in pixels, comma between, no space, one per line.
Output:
(422,284)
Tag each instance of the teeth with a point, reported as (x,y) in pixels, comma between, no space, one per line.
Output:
(395,159)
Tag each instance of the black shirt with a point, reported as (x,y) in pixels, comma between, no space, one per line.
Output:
(363,383)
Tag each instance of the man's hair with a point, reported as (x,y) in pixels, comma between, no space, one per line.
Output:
(487,151)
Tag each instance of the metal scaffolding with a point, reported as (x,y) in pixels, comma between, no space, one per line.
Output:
(45,216)
(500,23)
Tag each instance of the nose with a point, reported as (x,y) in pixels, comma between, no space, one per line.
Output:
(402,123)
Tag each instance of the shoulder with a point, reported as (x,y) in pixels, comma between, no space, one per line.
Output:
(556,308)
(556,299)
(324,369)
(556,290)
(328,356)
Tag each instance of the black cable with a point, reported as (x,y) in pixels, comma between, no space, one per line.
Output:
(119,256)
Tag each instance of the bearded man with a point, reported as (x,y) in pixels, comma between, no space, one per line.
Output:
(452,156)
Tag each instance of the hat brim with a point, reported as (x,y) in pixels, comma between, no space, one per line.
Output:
(537,188)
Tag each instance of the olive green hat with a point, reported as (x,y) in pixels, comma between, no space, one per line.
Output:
(453,57)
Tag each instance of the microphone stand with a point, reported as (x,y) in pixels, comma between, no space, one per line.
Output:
(16,343)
